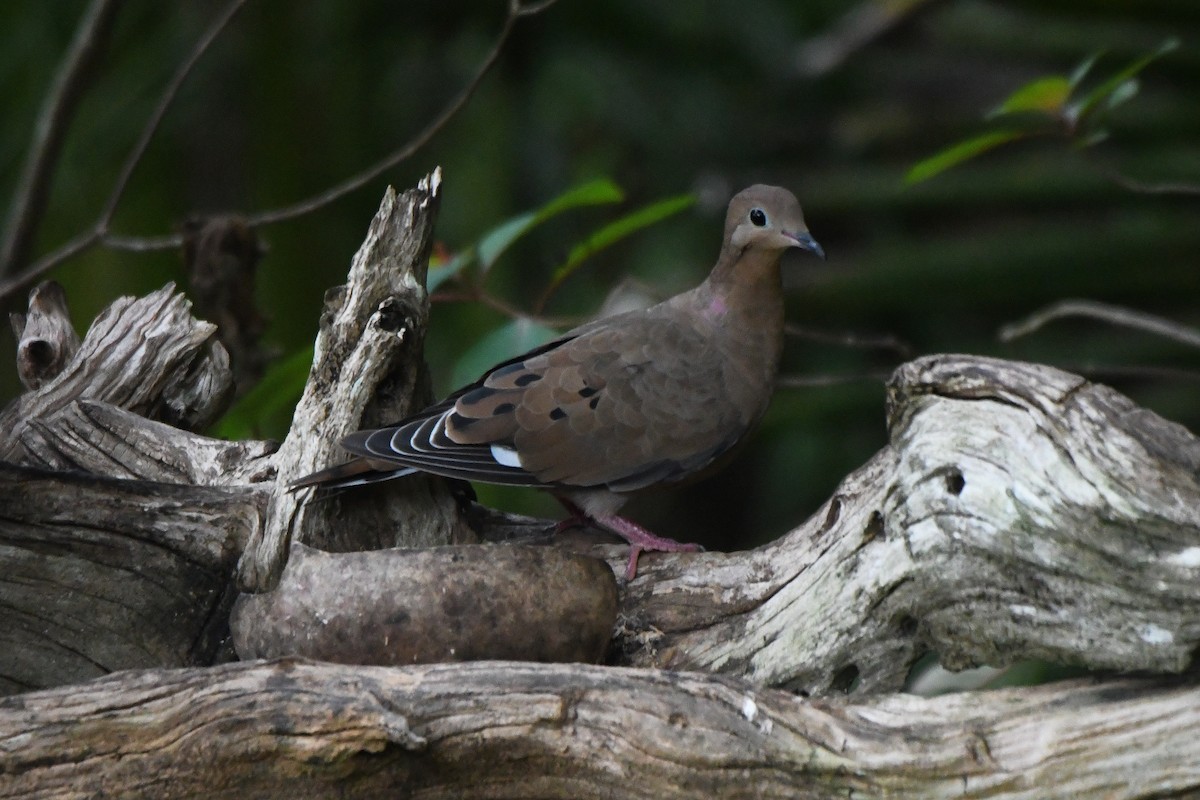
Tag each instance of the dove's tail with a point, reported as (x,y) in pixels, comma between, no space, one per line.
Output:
(355,472)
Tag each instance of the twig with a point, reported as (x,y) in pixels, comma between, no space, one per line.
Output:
(858,340)
(858,28)
(516,10)
(1114,315)
(164,102)
(474,294)
(1132,372)
(99,231)
(1141,187)
(824,381)
(100,235)
(33,188)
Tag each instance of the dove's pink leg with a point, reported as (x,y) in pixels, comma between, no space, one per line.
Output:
(639,538)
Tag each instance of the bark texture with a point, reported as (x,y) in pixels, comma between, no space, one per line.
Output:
(509,729)
(366,372)
(1018,512)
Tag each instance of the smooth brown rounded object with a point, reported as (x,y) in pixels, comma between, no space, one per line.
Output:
(416,606)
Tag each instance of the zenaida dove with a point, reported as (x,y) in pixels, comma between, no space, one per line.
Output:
(641,399)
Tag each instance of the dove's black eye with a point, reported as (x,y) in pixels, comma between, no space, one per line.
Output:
(758,217)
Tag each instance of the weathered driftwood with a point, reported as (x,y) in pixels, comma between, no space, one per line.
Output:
(510,729)
(98,575)
(367,369)
(1019,511)
(105,440)
(46,339)
(149,356)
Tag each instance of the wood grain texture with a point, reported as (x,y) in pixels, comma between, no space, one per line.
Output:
(98,575)
(1018,512)
(296,730)
(367,369)
(147,355)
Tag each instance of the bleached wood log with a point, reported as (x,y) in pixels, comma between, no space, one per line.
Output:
(46,339)
(98,575)
(105,440)
(367,368)
(1018,512)
(147,355)
(295,730)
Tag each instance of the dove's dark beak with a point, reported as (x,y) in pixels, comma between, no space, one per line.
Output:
(805,241)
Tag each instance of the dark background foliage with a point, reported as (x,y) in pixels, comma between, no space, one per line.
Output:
(663,98)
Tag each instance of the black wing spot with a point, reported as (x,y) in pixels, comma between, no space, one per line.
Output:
(503,408)
(595,401)
(527,379)
(460,422)
(557,414)
(587,391)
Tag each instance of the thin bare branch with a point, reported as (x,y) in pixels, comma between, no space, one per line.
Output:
(515,11)
(58,110)
(849,339)
(825,381)
(164,102)
(1113,315)
(99,231)
(858,28)
(1142,187)
(100,235)
(476,295)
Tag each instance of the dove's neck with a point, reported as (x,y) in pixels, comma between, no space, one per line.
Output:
(741,307)
(744,287)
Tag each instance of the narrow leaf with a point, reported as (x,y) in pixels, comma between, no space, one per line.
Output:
(510,339)
(598,192)
(958,153)
(500,238)
(1094,138)
(440,273)
(269,404)
(1098,95)
(1080,72)
(1047,95)
(617,230)
(1123,93)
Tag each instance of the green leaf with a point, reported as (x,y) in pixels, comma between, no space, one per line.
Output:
(958,153)
(598,192)
(1088,104)
(1123,93)
(510,339)
(1080,72)
(617,230)
(440,273)
(500,238)
(266,409)
(1047,95)
(1093,138)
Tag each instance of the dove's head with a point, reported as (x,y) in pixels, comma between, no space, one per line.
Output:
(768,219)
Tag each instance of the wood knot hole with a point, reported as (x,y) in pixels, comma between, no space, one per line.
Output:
(845,679)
